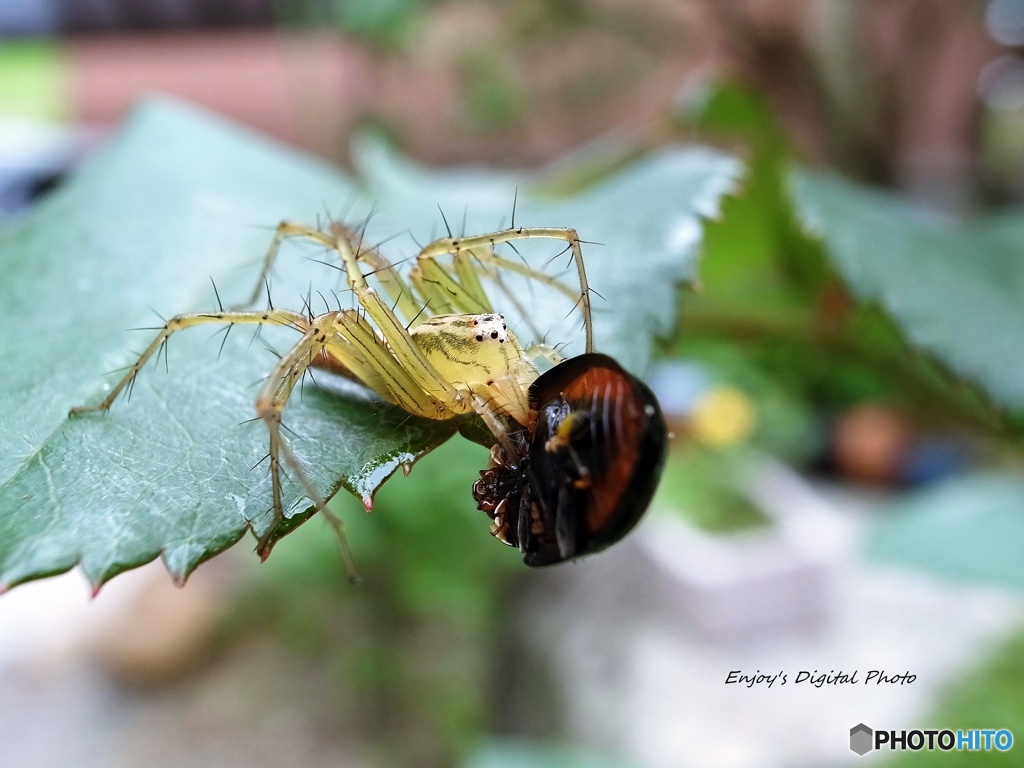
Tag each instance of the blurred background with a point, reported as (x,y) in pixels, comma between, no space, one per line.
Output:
(832,502)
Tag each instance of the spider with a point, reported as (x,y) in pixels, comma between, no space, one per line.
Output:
(437,348)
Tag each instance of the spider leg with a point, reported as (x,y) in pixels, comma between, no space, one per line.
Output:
(394,286)
(495,424)
(462,297)
(445,294)
(270,405)
(358,351)
(549,353)
(408,357)
(181,322)
(336,237)
(285,230)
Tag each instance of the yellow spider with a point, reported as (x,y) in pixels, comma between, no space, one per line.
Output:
(459,357)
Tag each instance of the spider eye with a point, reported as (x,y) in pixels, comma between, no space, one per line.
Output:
(494,334)
(479,337)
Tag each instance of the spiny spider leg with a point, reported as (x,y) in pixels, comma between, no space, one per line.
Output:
(346,243)
(181,322)
(285,230)
(546,351)
(408,355)
(348,339)
(359,349)
(388,277)
(338,233)
(270,405)
(271,399)
(405,355)
(462,293)
(345,337)
(443,292)
(489,416)
(482,246)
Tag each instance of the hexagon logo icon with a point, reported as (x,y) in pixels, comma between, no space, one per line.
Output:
(861,739)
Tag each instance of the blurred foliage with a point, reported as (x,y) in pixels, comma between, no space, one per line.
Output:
(388,24)
(708,472)
(786,422)
(952,289)
(988,697)
(511,754)
(835,291)
(816,294)
(969,528)
(409,645)
(706,486)
(493,96)
(34,82)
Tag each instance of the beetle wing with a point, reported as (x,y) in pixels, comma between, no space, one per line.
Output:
(596,456)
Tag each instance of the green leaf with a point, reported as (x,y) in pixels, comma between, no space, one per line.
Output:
(180,198)
(955,290)
(970,527)
(759,266)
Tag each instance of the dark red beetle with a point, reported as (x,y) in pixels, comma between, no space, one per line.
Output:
(584,470)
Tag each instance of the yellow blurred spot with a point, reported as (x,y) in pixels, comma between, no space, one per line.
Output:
(722,416)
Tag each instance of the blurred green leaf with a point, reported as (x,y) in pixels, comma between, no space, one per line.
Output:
(954,290)
(181,197)
(705,485)
(34,82)
(385,23)
(522,754)
(968,527)
(755,249)
(785,425)
(987,696)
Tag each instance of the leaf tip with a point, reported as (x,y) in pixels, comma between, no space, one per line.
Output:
(263,549)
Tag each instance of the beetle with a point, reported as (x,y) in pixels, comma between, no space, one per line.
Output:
(584,470)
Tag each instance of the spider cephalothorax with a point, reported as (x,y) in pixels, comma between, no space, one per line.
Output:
(482,358)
